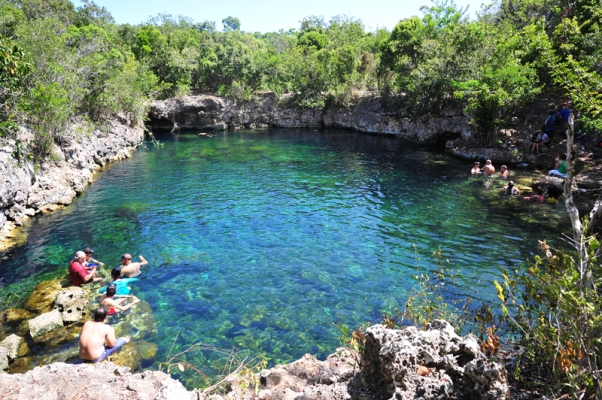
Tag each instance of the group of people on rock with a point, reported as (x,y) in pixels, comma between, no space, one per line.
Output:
(97,339)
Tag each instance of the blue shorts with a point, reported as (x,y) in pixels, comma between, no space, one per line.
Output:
(110,350)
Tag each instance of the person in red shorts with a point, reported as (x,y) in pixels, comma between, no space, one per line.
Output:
(78,274)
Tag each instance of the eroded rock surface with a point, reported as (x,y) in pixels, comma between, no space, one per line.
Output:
(45,323)
(72,303)
(91,381)
(25,192)
(367,114)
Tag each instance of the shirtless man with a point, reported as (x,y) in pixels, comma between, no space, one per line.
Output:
(488,169)
(130,269)
(476,170)
(504,171)
(114,305)
(95,334)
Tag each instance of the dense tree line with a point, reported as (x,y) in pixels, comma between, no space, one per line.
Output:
(61,62)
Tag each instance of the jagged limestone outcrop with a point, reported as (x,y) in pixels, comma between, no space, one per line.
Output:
(26,190)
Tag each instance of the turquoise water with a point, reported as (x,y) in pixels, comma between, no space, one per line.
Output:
(263,240)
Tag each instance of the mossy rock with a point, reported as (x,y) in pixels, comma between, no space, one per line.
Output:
(43,296)
(20,365)
(23,349)
(13,316)
(148,350)
(143,319)
(128,356)
(59,336)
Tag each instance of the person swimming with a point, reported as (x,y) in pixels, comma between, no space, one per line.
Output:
(116,305)
(122,283)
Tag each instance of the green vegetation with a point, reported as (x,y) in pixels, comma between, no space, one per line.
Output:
(81,64)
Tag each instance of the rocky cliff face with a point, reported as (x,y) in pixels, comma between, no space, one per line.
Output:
(368,114)
(26,191)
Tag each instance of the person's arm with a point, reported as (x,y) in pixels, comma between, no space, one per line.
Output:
(110,336)
(89,276)
(142,261)
(127,307)
(101,264)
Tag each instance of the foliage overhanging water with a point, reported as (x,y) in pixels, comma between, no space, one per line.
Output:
(261,240)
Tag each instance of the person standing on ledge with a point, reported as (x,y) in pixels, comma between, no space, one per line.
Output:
(488,169)
(130,269)
(78,274)
(95,334)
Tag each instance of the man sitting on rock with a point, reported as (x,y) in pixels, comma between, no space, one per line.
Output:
(95,334)
(114,304)
(130,269)
(78,274)
(121,283)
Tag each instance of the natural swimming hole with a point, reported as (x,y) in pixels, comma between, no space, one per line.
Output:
(263,239)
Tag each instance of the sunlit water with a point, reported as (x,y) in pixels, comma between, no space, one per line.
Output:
(263,240)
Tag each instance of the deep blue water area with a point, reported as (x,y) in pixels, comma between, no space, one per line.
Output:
(263,239)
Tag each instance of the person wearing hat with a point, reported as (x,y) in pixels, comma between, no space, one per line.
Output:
(511,189)
(116,303)
(90,262)
(130,269)
(476,169)
(78,274)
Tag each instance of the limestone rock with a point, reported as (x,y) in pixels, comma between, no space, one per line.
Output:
(12,343)
(13,316)
(45,323)
(3,359)
(43,296)
(71,303)
(104,380)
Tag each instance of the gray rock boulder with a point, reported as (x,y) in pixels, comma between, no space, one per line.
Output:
(104,380)
(11,344)
(45,323)
(3,360)
(71,303)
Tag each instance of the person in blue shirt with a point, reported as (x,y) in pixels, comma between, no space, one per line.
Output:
(564,114)
(550,124)
(122,283)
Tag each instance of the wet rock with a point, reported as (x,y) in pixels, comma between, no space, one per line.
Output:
(45,323)
(104,380)
(129,356)
(20,365)
(14,316)
(3,358)
(23,349)
(12,344)
(143,320)
(72,304)
(148,350)
(43,296)
(59,336)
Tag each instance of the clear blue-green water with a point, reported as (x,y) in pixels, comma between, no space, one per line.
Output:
(263,240)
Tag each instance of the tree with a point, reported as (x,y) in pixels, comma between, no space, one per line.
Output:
(231,24)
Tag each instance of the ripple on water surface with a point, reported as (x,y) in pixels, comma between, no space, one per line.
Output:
(261,240)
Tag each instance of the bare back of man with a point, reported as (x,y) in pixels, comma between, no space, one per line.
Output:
(92,340)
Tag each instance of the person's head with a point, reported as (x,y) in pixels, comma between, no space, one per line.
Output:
(488,162)
(111,289)
(126,259)
(80,255)
(477,164)
(539,190)
(510,185)
(551,112)
(563,157)
(115,273)
(503,168)
(100,314)
(565,104)
(88,251)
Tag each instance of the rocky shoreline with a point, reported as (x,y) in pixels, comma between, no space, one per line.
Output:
(434,363)
(27,190)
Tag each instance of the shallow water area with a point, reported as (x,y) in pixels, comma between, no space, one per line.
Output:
(263,239)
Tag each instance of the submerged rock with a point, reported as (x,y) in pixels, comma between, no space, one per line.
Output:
(43,296)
